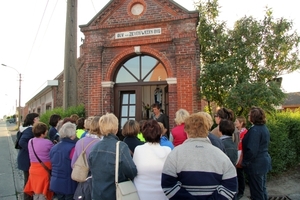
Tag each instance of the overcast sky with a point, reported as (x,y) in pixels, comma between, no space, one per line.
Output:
(32,39)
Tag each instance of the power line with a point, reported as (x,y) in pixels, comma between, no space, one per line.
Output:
(37,34)
(94,6)
(49,21)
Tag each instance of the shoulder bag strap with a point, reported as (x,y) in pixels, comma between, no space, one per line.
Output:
(88,145)
(117,162)
(46,168)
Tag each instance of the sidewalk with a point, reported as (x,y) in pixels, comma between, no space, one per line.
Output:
(11,179)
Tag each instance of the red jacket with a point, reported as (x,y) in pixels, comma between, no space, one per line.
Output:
(179,134)
(242,134)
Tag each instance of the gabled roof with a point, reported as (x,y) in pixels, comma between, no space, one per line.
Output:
(292,99)
(105,17)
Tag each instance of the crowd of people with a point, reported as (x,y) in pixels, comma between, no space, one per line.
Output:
(190,161)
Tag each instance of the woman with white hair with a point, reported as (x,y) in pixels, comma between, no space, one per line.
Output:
(178,133)
(102,160)
(61,155)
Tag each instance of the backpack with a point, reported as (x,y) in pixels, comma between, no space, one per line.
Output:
(81,168)
(17,146)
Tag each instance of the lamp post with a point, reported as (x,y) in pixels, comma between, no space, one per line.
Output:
(20,79)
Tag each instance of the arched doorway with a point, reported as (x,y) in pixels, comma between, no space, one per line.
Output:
(139,82)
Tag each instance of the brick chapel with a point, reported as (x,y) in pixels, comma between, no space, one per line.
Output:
(138,52)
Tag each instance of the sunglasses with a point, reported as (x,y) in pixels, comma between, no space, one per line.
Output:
(216,115)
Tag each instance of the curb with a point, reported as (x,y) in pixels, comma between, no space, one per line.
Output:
(17,174)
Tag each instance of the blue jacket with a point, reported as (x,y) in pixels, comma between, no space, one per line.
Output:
(53,134)
(23,155)
(165,142)
(217,142)
(61,182)
(102,165)
(256,159)
(231,148)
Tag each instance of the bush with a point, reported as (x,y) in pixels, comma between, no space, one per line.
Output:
(79,110)
(284,146)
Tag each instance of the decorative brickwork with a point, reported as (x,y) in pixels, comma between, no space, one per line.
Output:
(163,30)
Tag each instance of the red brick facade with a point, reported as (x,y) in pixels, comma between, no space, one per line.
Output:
(176,47)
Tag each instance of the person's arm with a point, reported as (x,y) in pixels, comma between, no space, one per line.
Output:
(250,146)
(76,153)
(228,187)
(170,182)
(26,136)
(127,165)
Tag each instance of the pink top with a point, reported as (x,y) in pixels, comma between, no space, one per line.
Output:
(179,134)
(42,148)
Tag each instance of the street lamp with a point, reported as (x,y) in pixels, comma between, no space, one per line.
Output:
(20,79)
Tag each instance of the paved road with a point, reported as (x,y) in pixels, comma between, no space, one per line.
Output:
(11,179)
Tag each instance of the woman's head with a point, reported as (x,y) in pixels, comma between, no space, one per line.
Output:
(80,123)
(30,119)
(87,123)
(208,117)
(257,116)
(180,116)
(68,130)
(224,113)
(54,120)
(196,125)
(68,119)
(226,127)
(94,126)
(74,117)
(151,131)
(39,128)
(131,128)
(162,128)
(240,122)
(155,108)
(108,124)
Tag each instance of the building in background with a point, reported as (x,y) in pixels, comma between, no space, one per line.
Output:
(132,56)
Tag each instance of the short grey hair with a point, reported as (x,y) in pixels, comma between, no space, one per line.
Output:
(67,130)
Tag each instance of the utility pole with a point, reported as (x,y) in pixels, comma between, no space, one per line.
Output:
(20,80)
(70,68)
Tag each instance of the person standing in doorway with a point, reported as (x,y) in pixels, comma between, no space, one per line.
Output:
(160,117)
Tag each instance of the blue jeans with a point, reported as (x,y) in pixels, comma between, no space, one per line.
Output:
(257,185)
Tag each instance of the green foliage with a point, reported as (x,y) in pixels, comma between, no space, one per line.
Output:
(79,110)
(239,66)
(284,146)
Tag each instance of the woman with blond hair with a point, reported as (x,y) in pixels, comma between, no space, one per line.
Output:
(102,160)
(91,138)
(196,169)
(178,133)
(213,139)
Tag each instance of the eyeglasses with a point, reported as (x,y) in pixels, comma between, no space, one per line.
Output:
(216,115)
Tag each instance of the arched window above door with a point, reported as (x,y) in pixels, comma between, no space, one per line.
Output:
(142,68)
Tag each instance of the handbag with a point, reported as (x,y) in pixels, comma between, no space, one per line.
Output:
(81,167)
(125,190)
(45,167)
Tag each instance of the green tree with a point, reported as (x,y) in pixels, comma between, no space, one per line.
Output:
(239,66)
